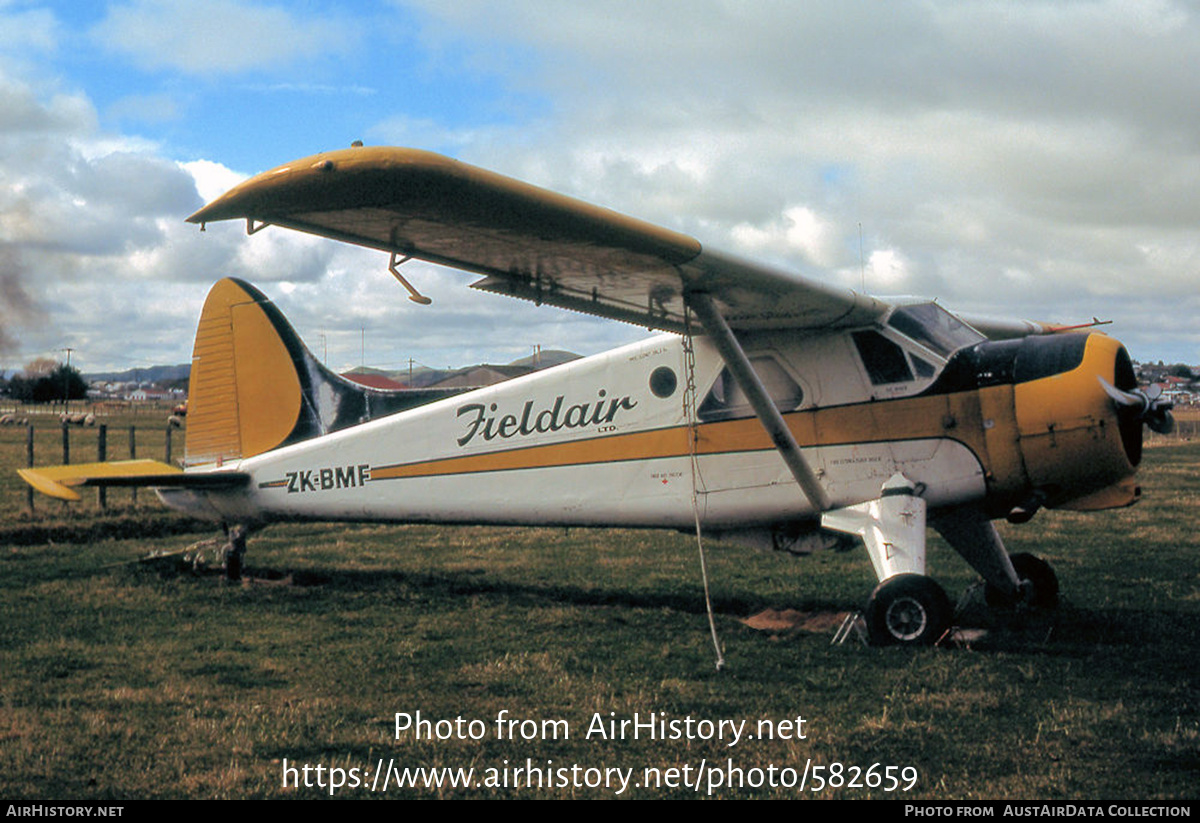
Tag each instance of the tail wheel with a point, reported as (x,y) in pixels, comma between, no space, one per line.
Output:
(1039,585)
(908,610)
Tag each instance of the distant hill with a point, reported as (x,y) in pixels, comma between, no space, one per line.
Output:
(546,359)
(149,374)
(421,376)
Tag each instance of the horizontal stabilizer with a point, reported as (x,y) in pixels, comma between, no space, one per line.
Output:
(58,481)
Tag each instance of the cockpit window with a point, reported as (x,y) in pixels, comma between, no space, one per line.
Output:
(726,400)
(921,367)
(934,327)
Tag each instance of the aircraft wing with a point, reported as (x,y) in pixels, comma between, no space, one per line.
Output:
(528,242)
(60,481)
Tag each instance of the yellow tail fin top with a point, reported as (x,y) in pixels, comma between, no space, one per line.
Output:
(244,395)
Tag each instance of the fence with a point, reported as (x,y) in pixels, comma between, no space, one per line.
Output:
(101,408)
(101,451)
(1187,427)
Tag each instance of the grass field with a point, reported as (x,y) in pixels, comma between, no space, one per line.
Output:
(128,679)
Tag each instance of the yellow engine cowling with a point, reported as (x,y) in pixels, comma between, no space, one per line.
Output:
(1080,451)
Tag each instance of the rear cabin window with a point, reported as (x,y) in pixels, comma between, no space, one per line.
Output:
(726,400)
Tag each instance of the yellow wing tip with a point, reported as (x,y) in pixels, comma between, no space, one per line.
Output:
(45,485)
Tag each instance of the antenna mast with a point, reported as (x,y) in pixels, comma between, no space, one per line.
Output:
(862,263)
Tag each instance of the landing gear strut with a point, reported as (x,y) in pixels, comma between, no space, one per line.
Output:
(1013,582)
(908,609)
(234,551)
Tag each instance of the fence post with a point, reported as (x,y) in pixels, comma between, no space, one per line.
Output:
(29,463)
(133,454)
(168,460)
(102,455)
(66,447)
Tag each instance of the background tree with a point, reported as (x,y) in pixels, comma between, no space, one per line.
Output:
(45,381)
(64,382)
(40,367)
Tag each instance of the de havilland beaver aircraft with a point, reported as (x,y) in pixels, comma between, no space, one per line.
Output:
(772,410)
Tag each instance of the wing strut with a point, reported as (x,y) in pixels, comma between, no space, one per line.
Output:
(764,408)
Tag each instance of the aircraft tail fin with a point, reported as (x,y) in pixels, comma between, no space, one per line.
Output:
(254,387)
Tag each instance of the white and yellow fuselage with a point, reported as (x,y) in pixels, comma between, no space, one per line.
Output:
(615,439)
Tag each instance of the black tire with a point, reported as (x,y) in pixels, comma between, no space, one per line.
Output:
(1037,576)
(1041,577)
(908,610)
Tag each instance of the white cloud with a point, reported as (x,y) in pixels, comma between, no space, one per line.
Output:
(146,108)
(1031,159)
(888,271)
(219,36)
(23,114)
(94,250)
(798,231)
(212,179)
(26,32)
(1051,145)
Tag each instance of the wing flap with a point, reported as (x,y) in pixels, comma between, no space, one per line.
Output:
(528,242)
(60,481)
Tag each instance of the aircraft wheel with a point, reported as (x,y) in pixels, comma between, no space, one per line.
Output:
(1041,577)
(1039,584)
(909,610)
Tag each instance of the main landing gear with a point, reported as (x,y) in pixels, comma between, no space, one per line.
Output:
(907,607)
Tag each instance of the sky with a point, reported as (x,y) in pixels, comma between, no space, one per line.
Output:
(1036,160)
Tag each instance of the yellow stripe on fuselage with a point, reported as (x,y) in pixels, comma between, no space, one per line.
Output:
(906,419)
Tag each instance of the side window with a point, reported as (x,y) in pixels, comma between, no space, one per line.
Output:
(726,400)
(885,361)
(922,367)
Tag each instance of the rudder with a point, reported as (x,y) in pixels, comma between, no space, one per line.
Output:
(254,386)
(244,392)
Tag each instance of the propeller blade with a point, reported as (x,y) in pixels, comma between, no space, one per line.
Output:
(1153,410)
(1163,423)
(1129,400)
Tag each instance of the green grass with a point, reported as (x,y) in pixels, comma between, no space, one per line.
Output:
(122,679)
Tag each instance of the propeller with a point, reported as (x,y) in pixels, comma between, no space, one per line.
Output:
(1152,409)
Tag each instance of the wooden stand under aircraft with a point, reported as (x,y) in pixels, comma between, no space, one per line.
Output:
(773,411)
